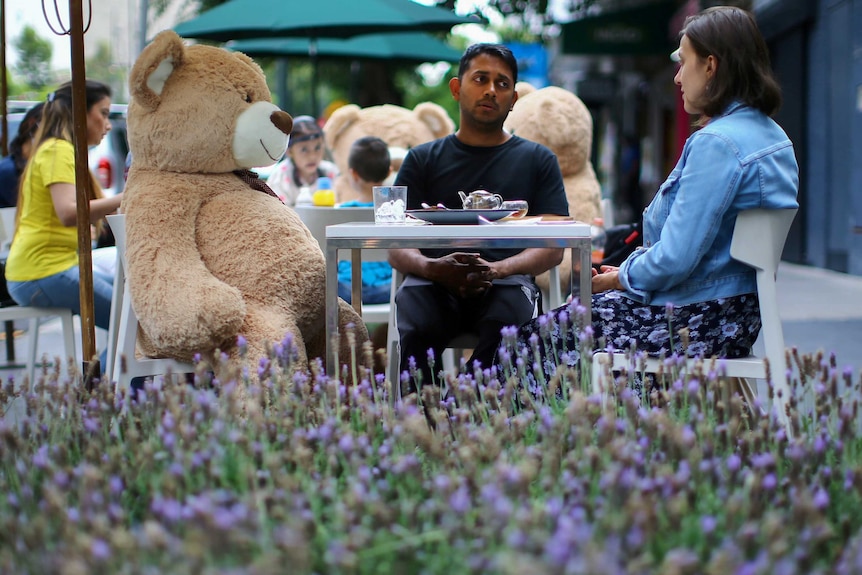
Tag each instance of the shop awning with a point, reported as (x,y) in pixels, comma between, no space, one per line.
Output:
(643,30)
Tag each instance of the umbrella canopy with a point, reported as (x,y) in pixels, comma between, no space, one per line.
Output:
(244,19)
(403,46)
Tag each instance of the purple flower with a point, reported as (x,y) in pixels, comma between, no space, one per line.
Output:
(40,458)
(733,462)
(345,444)
(821,499)
(459,501)
(769,481)
(707,524)
(100,550)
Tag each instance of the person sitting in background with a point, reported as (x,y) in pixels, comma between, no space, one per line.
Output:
(684,276)
(369,165)
(42,268)
(12,166)
(294,178)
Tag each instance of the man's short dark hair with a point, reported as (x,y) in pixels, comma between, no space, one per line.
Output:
(369,156)
(496,50)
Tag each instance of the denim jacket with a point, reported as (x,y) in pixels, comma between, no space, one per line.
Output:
(740,160)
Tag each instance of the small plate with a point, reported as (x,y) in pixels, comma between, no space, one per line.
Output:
(460,217)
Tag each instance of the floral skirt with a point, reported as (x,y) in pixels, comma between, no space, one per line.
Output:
(725,327)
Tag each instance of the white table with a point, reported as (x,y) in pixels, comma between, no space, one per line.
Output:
(357,236)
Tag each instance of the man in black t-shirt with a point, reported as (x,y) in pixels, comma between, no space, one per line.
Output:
(445,294)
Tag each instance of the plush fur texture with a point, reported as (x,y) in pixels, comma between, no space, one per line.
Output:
(210,258)
(559,120)
(397,126)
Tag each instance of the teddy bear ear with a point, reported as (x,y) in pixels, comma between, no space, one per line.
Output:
(249,61)
(338,122)
(435,117)
(154,66)
(524,88)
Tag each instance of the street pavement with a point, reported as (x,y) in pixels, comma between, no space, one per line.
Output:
(820,310)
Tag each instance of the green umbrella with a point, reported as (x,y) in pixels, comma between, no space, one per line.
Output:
(316,19)
(403,46)
(242,19)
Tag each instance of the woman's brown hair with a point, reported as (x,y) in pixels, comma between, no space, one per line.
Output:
(743,73)
(57,123)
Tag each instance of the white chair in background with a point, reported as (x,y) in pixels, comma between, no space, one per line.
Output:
(317,218)
(34,315)
(758,240)
(608,213)
(7,219)
(123,363)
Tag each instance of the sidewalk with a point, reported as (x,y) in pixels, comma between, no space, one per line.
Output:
(820,309)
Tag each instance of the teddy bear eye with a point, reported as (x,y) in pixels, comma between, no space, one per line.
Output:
(248,98)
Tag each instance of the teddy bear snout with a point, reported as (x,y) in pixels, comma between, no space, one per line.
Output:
(282,121)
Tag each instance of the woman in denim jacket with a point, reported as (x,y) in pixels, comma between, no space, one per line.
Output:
(684,276)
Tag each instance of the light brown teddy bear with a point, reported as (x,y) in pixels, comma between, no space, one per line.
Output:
(398,127)
(211,255)
(559,120)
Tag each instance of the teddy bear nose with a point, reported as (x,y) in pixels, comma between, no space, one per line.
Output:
(282,121)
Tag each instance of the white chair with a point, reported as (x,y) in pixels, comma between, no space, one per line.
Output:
(123,362)
(608,212)
(7,219)
(758,240)
(35,315)
(317,218)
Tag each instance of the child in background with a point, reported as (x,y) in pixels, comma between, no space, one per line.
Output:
(369,165)
(295,177)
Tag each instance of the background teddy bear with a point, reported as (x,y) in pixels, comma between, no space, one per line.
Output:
(398,127)
(559,120)
(209,256)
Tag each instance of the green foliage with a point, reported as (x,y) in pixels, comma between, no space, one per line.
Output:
(416,91)
(102,67)
(34,58)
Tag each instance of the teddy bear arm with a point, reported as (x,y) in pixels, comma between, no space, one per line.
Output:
(178,320)
(180,304)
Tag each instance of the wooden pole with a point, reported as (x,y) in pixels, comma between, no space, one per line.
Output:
(83,189)
(4,89)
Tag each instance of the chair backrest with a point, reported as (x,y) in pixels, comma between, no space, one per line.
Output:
(118,228)
(7,218)
(608,213)
(758,240)
(759,236)
(317,218)
(117,223)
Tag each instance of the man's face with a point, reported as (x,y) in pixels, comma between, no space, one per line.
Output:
(486,91)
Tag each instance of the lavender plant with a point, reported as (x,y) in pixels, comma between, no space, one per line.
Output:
(477,475)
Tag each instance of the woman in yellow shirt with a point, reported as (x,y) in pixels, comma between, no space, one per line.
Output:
(42,267)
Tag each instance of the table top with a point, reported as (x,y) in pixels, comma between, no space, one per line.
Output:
(549,229)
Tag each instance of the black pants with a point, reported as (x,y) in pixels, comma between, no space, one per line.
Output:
(429,316)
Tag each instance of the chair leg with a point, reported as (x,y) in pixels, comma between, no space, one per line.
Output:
(32,345)
(10,341)
(68,336)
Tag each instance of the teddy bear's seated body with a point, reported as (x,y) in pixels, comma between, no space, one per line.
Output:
(210,257)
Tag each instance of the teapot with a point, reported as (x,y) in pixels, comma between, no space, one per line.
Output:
(480,200)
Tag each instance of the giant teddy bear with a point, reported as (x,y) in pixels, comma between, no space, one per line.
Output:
(398,127)
(559,120)
(211,255)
